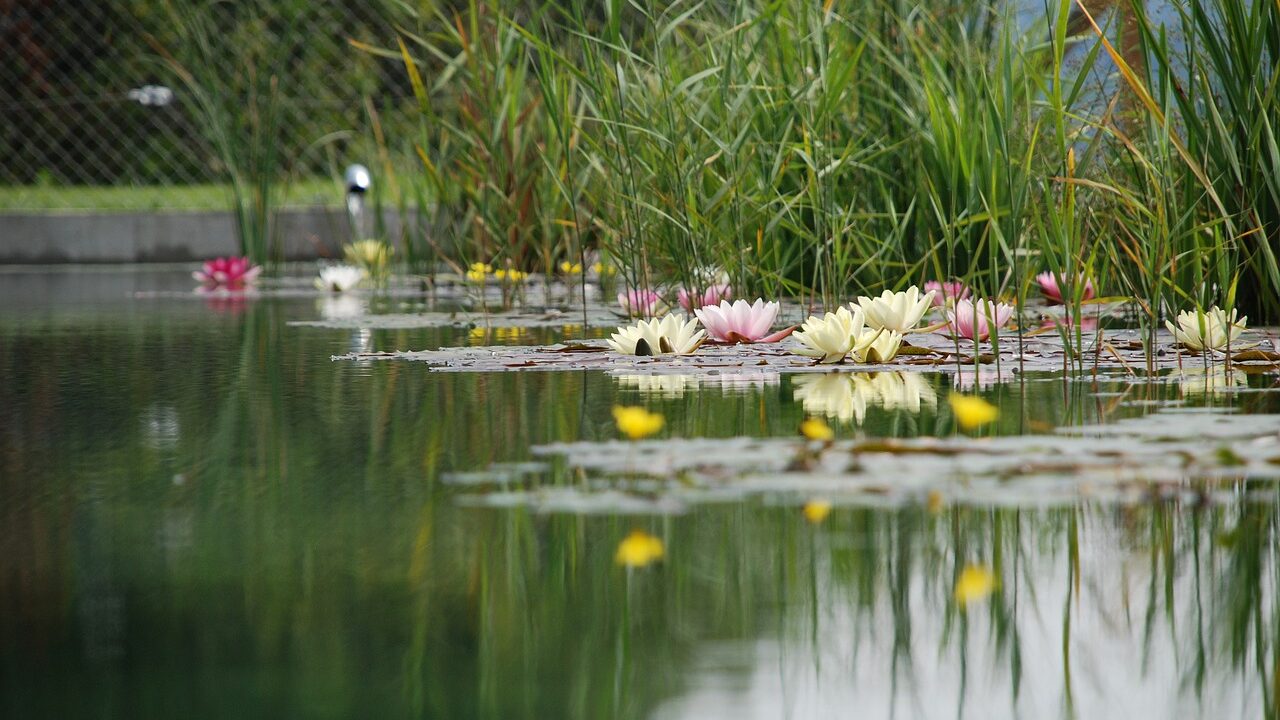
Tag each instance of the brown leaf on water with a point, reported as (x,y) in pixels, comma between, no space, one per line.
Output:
(1256,355)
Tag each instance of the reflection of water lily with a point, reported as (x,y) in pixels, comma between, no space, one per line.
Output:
(233,273)
(1048,283)
(966,378)
(974,320)
(833,336)
(339,278)
(640,302)
(666,385)
(1207,381)
(1214,329)
(669,335)
(897,311)
(340,307)
(740,322)
(846,396)
(712,295)
(946,293)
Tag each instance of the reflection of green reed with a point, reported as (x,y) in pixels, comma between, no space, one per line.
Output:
(329,571)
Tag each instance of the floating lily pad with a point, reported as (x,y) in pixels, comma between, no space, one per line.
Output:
(1176,455)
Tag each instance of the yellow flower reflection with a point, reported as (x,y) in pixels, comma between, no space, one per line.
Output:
(972,412)
(975,584)
(815,511)
(816,429)
(639,549)
(636,422)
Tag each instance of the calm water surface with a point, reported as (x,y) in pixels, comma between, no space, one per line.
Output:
(203,515)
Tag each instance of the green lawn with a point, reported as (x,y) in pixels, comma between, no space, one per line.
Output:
(311,192)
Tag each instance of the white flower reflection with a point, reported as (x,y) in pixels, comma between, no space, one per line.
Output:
(966,378)
(659,385)
(1207,381)
(340,307)
(675,385)
(846,396)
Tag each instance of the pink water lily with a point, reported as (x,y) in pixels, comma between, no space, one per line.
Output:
(975,320)
(740,322)
(229,272)
(713,295)
(1048,283)
(949,290)
(641,302)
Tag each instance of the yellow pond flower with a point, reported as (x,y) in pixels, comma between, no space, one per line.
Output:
(636,422)
(604,270)
(639,549)
(972,412)
(815,511)
(511,275)
(816,429)
(975,584)
(571,268)
(478,271)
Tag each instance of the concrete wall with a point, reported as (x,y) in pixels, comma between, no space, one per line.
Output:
(162,236)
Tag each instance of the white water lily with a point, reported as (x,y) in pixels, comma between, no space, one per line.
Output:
(833,336)
(878,346)
(669,335)
(1214,329)
(339,278)
(896,311)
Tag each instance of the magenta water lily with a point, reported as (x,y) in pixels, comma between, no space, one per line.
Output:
(232,273)
(713,295)
(740,322)
(974,320)
(1049,287)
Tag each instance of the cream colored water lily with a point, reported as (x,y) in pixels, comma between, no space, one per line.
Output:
(668,335)
(1213,329)
(833,336)
(896,311)
(879,346)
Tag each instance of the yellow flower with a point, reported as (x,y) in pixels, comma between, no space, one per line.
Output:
(815,511)
(478,271)
(511,275)
(974,584)
(816,429)
(639,549)
(636,422)
(372,256)
(602,270)
(972,412)
(569,268)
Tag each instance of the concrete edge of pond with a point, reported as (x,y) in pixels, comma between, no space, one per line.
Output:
(54,238)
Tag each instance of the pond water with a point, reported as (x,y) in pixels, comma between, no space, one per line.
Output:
(202,514)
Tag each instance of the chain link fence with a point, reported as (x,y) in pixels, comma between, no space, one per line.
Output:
(88,101)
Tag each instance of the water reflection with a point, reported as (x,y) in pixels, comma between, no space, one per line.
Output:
(285,546)
(675,385)
(1198,382)
(846,396)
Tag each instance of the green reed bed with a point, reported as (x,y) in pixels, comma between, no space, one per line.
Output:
(821,151)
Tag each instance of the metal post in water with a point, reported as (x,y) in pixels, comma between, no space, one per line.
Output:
(357,183)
